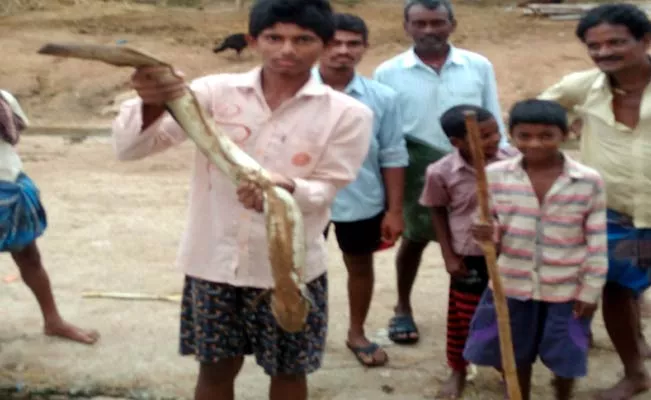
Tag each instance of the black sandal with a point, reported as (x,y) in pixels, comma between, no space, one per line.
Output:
(402,328)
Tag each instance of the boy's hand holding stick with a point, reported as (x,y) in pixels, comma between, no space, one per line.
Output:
(488,247)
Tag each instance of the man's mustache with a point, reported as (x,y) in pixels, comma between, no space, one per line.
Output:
(612,58)
(431,39)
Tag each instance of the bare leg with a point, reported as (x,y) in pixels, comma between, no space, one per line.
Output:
(217,381)
(360,292)
(35,277)
(642,308)
(563,387)
(620,312)
(407,263)
(524,379)
(461,306)
(453,388)
(285,387)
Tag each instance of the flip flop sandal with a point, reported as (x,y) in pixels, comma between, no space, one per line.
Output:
(400,329)
(368,351)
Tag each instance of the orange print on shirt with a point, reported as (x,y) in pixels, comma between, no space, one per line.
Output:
(301,159)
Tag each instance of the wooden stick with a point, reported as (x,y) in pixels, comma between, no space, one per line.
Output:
(488,247)
(131,296)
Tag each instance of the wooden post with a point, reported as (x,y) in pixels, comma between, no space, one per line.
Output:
(488,247)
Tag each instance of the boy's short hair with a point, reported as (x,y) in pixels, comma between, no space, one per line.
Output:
(453,121)
(536,111)
(351,23)
(314,15)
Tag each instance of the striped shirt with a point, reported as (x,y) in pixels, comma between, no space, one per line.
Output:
(556,252)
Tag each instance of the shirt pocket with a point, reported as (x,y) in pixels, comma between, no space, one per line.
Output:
(564,224)
(464,91)
(504,207)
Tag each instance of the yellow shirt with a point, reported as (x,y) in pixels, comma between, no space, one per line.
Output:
(621,155)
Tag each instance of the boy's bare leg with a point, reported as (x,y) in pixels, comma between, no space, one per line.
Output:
(453,388)
(460,305)
(360,292)
(35,277)
(622,320)
(524,379)
(563,387)
(285,387)
(216,381)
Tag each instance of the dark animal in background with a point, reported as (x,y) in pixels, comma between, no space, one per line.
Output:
(236,41)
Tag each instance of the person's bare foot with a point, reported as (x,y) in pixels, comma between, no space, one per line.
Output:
(626,388)
(65,330)
(453,387)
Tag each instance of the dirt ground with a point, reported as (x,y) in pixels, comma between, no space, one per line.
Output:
(115,226)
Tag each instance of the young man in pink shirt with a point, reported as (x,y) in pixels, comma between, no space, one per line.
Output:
(312,139)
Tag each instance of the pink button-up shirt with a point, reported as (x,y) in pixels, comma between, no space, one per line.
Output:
(452,183)
(319,138)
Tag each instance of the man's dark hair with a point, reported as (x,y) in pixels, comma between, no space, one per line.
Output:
(453,121)
(535,111)
(624,14)
(430,5)
(314,15)
(351,23)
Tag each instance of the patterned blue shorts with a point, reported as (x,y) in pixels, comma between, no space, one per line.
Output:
(629,253)
(220,321)
(22,216)
(539,329)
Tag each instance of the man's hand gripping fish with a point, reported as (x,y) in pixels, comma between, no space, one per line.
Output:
(290,302)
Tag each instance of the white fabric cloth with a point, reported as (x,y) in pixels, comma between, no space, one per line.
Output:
(10,163)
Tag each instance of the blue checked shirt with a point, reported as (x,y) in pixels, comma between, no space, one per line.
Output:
(424,94)
(365,197)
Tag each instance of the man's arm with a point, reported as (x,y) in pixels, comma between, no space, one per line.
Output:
(379,74)
(491,102)
(15,107)
(338,166)
(570,92)
(393,155)
(140,131)
(595,266)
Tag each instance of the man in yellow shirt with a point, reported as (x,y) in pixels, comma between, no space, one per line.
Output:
(614,103)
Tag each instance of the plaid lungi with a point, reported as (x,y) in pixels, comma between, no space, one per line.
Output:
(22,216)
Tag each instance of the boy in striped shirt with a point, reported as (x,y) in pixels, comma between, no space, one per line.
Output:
(450,191)
(550,228)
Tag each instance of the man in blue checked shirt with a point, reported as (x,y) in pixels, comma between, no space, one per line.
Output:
(368,212)
(430,78)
